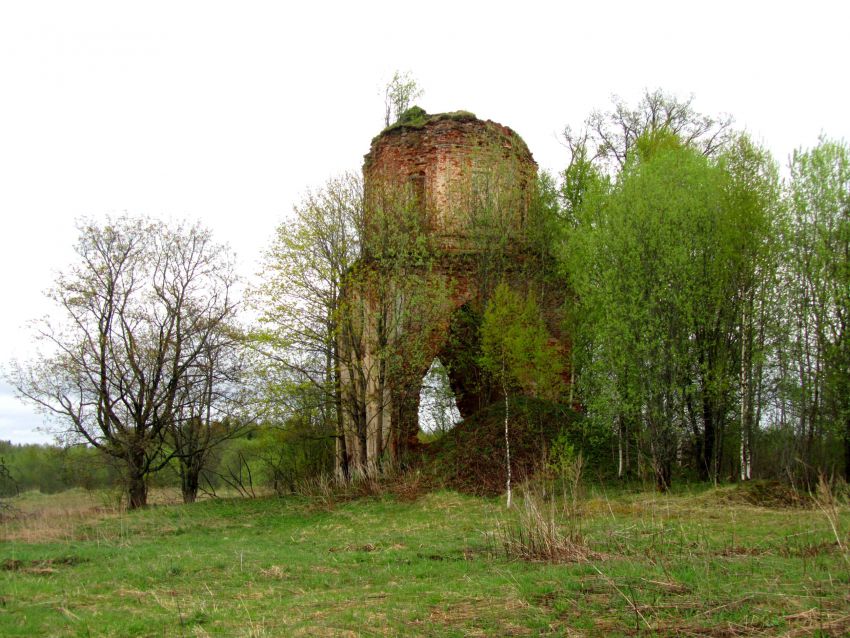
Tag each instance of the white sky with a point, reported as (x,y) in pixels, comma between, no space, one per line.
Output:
(227,112)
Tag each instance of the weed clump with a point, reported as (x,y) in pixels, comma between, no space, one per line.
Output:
(548,525)
(414,116)
(536,534)
(828,503)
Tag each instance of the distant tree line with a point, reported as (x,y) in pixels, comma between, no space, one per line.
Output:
(262,459)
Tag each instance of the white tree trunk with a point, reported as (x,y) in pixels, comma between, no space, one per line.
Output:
(745,399)
(507,444)
(620,466)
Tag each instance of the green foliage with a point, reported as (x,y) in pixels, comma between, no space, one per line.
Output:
(659,261)
(303,269)
(580,179)
(302,309)
(50,469)
(818,278)
(415,116)
(516,347)
(288,455)
(653,142)
(562,452)
(545,230)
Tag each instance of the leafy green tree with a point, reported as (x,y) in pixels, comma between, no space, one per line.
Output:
(819,297)
(348,306)
(754,200)
(600,152)
(660,259)
(300,303)
(518,351)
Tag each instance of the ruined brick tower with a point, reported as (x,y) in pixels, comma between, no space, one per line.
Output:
(446,197)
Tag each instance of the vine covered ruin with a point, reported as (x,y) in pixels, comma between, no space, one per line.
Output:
(449,200)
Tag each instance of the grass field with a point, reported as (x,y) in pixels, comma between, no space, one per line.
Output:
(702,563)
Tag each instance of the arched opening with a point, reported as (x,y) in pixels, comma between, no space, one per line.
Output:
(438,411)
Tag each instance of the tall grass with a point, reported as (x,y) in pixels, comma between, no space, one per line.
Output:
(827,500)
(547,526)
(631,563)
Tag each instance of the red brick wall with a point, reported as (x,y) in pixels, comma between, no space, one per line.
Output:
(447,164)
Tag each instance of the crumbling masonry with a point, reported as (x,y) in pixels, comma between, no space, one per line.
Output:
(447,200)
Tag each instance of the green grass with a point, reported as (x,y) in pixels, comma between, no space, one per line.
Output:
(688,564)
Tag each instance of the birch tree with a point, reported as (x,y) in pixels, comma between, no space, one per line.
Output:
(819,276)
(300,300)
(399,94)
(517,350)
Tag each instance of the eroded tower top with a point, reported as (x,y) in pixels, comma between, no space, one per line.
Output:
(453,172)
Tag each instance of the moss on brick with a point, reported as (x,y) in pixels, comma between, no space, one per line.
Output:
(416,118)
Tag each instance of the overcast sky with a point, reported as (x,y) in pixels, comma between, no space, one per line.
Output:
(228,112)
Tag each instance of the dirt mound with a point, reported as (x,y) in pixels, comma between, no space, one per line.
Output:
(760,493)
(471,457)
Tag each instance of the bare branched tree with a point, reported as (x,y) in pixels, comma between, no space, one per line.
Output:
(608,136)
(138,314)
(215,405)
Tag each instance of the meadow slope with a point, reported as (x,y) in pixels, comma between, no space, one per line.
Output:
(705,562)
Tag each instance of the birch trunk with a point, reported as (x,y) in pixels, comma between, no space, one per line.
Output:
(745,399)
(507,443)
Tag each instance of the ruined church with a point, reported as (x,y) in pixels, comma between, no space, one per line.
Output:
(449,202)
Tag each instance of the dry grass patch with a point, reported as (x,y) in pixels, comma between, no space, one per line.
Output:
(75,515)
(760,493)
(55,522)
(478,615)
(275,572)
(547,524)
